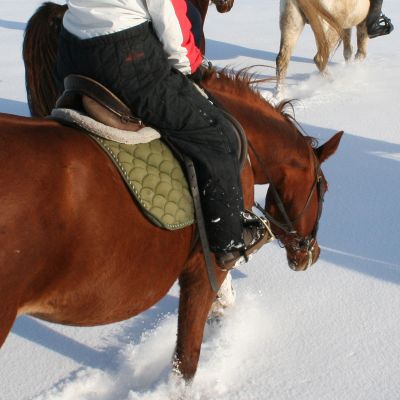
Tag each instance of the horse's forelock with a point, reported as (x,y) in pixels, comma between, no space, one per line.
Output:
(286,108)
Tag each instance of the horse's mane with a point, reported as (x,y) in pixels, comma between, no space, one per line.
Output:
(244,84)
(239,82)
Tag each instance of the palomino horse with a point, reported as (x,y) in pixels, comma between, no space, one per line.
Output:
(330,20)
(76,249)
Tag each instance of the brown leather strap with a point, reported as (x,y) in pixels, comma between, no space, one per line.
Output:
(192,178)
(241,137)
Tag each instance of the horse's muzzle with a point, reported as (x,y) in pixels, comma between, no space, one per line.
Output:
(223,6)
(300,260)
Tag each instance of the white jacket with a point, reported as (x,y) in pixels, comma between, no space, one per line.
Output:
(89,18)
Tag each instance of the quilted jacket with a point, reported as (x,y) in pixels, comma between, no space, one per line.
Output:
(90,18)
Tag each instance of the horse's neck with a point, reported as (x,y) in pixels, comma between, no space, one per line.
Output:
(275,139)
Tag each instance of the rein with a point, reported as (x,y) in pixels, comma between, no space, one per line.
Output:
(297,242)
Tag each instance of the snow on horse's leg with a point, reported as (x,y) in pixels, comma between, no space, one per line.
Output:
(225,298)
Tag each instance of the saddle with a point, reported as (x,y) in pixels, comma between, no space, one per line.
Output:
(85,94)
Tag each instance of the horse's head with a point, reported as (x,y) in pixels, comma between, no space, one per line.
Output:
(294,205)
(281,156)
(223,6)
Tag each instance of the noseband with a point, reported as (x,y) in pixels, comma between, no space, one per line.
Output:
(296,243)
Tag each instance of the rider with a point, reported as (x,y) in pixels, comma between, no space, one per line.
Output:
(377,23)
(145,52)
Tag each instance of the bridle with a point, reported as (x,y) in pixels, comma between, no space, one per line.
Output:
(294,241)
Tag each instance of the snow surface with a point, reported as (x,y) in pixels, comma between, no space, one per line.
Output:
(329,333)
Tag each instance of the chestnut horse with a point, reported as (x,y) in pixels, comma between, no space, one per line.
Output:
(330,20)
(76,249)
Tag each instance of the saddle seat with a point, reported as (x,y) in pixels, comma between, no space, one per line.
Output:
(85,94)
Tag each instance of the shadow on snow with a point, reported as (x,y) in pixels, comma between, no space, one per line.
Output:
(12,25)
(359,225)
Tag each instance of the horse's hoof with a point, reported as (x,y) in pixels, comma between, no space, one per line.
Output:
(360,57)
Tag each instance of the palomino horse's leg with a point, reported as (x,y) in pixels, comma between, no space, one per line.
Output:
(196,297)
(362,41)
(333,41)
(291,24)
(347,48)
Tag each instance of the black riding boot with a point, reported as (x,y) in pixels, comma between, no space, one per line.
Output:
(377,23)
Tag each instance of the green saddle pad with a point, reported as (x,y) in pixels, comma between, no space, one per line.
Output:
(155,178)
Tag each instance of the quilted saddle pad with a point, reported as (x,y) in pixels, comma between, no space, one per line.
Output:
(156,180)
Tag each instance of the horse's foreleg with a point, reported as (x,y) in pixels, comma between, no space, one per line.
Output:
(291,24)
(347,48)
(362,41)
(196,297)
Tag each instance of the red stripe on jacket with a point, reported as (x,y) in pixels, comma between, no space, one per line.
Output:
(193,52)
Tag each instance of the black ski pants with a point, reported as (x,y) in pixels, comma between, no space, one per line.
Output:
(374,12)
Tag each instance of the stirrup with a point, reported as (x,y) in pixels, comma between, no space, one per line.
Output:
(235,257)
(382,26)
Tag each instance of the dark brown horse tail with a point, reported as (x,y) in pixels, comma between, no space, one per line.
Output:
(39,53)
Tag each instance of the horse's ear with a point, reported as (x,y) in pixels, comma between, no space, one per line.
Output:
(327,149)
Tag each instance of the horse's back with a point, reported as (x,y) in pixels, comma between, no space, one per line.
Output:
(70,232)
(348,12)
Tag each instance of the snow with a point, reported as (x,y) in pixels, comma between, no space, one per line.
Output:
(326,334)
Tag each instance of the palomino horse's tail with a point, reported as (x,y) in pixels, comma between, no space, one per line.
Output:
(39,52)
(316,14)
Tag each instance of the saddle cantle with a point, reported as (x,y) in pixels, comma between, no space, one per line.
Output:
(84,93)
